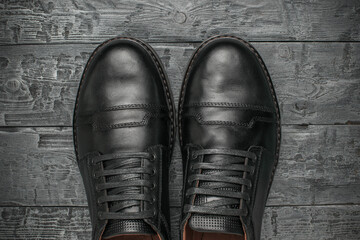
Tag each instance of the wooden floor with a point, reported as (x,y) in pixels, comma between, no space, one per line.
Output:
(312,50)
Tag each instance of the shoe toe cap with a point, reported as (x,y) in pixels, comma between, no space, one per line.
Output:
(227,70)
(122,73)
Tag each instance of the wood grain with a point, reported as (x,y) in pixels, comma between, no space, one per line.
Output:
(313,222)
(49,21)
(318,165)
(307,222)
(311,48)
(316,83)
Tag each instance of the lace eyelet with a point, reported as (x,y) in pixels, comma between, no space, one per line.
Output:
(193,156)
(153,157)
(153,172)
(153,186)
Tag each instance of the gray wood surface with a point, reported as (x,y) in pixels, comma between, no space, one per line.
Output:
(306,222)
(182,20)
(316,166)
(316,83)
(312,51)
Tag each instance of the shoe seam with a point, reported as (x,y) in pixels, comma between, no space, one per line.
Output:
(143,122)
(198,117)
(159,68)
(230,105)
(164,83)
(267,75)
(125,107)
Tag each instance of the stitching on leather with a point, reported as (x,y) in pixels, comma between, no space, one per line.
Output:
(250,124)
(136,106)
(165,85)
(88,155)
(258,161)
(161,217)
(143,122)
(92,119)
(230,105)
(253,50)
(159,68)
(125,107)
(189,148)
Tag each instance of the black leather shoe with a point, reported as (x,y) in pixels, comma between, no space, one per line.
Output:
(123,135)
(229,127)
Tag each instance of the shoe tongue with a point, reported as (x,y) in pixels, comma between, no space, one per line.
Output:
(218,224)
(119,227)
(214,223)
(116,227)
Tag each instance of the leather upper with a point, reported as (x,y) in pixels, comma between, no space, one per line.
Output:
(228,102)
(124,106)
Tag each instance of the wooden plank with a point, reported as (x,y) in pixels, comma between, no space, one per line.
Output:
(318,165)
(316,83)
(38,167)
(174,21)
(313,222)
(306,222)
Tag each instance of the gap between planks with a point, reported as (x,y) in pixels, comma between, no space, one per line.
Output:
(176,207)
(283,124)
(170,42)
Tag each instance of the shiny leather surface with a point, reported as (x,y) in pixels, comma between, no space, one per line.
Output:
(227,101)
(124,104)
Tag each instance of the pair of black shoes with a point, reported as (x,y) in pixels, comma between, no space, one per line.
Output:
(124,133)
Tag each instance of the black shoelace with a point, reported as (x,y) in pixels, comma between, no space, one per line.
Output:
(124,182)
(220,175)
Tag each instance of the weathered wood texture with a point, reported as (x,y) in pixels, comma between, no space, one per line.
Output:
(307,222)
(44,45)
(318,165)
(91,20)
(316,83)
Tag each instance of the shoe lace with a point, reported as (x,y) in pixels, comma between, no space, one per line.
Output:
(125,180)
(226,178)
